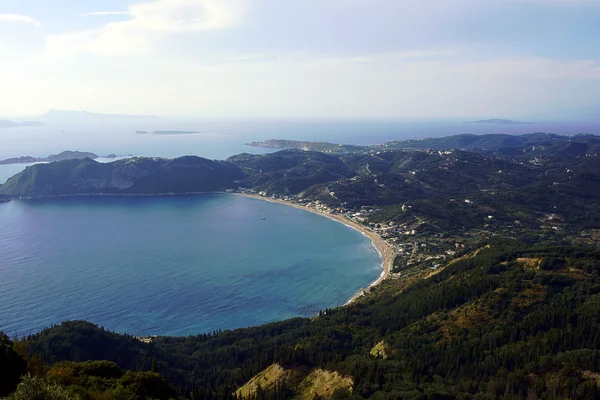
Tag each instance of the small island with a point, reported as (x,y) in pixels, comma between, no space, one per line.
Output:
(12,124)
(499,121)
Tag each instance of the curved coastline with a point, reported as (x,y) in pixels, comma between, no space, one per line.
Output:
(386,252)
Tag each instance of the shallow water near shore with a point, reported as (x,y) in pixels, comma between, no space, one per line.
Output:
(173,265)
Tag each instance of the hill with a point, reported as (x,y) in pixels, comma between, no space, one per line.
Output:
(290,171)
(500,145)
(130,176)
(65,155)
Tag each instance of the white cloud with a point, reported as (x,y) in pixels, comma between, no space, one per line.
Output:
(184,15)
(104,13)
(19,18)
(149,23)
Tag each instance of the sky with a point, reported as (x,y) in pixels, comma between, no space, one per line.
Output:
(309,58)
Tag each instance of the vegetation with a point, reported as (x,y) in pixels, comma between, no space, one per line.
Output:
(131,176)
(497,298)
(535,144)
(65,155)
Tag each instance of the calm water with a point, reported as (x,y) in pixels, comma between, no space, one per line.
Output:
(173,265)
(220,139)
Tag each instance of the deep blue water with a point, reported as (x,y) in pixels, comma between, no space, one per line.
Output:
(173,265)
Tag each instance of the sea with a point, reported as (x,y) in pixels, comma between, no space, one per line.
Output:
(184,265)
(173,265)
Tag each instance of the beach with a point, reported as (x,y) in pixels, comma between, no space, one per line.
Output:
(386,252)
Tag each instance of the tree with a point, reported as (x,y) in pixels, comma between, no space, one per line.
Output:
(34,388)
(12,366)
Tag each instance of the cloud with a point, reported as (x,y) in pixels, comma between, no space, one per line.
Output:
(149,23)
(19,18)
(105,13)
(184,15)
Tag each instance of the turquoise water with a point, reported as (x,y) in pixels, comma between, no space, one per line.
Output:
(173,265)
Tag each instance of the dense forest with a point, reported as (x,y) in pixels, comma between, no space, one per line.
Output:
(510,313)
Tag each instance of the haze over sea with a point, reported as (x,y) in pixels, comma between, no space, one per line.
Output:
(179,265)
(219,139)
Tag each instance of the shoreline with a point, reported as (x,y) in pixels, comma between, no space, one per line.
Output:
(386,252)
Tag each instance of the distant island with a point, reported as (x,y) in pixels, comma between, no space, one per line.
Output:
(65,155)
(87,115)
(12,124)
(167,132)
(499,121)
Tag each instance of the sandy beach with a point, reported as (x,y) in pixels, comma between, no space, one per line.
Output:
(386,252)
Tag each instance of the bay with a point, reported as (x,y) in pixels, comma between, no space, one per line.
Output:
(173,265)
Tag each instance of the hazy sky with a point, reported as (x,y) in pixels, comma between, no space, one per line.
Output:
(277,58)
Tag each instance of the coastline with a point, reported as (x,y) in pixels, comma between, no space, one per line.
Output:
(386,252)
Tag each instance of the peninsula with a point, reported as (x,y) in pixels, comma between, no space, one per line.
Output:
(499,145)
(65,155)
